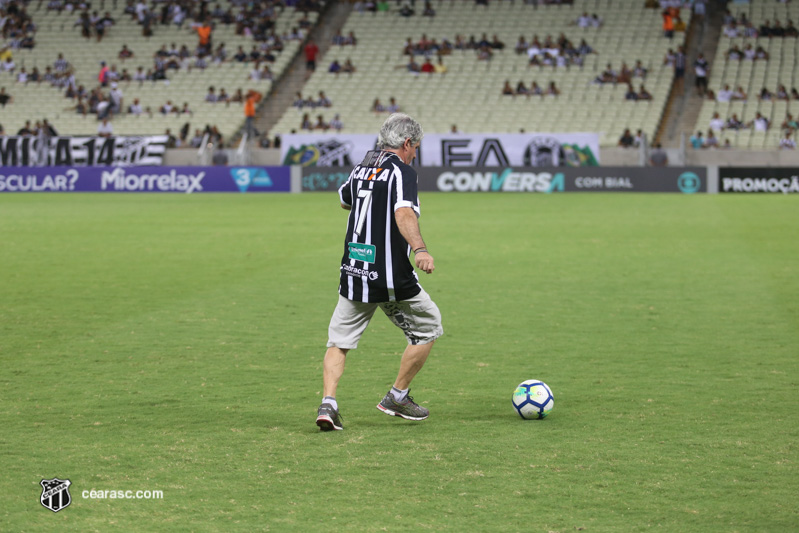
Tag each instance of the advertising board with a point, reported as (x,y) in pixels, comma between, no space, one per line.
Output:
(145,179)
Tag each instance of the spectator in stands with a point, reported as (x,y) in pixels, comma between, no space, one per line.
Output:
(406,10)
(348,67)
(789,123)
(211,96)
(668,21)
(336,123)
(205,37)
(521,45)
(321,124)
(735,53)
(197,140)
(241,56)
(697,141)
(658,156)
(759,123)
(679,67)
(311,51)
(250,101)
(794,94)
(171,140)
(115,97)
(701,69)
(300,102)
(102,76)
(626,140)
(222,96)
(643,94)
(782,93)
(716,122)
(733,123)
(724,94)
(765,95)
(639,138)
(125,53)
(338,39)
(668,59)
(167,108)
(335,67)
(5,98)
(607,76)
(739,94)
(507,89)
(630,94)
(306,123)
(323,100)
(377,107)
(428,9)
(135,108)
(760,53)
(85,24)
(220,157)
(786,143)
(711,141)
(105,129)
(25,131)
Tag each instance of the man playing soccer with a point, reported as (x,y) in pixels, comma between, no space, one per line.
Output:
(381,196)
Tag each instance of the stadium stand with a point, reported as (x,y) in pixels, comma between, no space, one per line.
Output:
(469,95)
(56,32)
(752,75)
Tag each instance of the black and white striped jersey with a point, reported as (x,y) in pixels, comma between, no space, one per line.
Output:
(375,266)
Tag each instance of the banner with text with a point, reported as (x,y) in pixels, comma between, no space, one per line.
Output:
(450,150)
(759,180)
(145,179)
(81,151)
(685,180)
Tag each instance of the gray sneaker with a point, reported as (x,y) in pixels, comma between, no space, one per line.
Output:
(407,408)
(328,419)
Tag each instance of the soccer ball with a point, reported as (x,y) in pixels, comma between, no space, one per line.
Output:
(533,399)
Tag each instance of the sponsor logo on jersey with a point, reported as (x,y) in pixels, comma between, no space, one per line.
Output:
(362,252)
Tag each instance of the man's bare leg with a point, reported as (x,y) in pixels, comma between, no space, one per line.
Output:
(333,369)
(413,360)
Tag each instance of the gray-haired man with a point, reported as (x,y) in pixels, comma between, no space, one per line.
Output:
(381,195)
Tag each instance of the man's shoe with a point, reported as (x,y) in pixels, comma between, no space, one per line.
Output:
(328,419)
(407,408)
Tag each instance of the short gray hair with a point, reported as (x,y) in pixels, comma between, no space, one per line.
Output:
(397,128)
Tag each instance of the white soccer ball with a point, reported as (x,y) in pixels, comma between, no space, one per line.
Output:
(533,399)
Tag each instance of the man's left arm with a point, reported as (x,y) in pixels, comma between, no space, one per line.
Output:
(408,226)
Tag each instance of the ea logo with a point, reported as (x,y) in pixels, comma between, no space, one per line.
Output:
(688,182)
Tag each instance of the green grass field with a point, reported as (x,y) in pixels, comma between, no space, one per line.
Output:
(174,343)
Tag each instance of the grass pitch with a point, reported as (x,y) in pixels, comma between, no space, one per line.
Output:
(174,343)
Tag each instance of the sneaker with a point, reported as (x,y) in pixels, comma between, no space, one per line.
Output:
(407,408)
(328,418)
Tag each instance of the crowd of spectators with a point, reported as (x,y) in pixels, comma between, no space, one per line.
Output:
(624,75)
(533,90)
(727,94)
(16,26)
(741,26)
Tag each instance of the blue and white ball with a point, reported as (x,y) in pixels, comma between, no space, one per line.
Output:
(533,399)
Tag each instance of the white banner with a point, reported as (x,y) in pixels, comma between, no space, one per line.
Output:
(445,150)
(26,151)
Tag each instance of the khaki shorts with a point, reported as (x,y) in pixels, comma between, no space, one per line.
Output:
(418,317)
